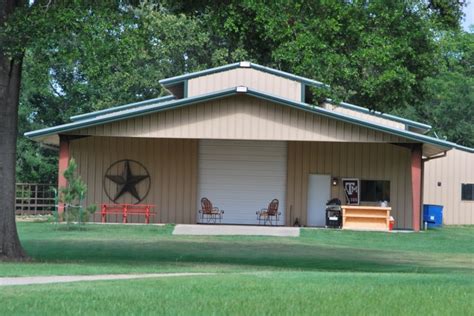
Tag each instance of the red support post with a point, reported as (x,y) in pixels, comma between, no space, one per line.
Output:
(416,161)
(64,156)
(124,219)
(104,212)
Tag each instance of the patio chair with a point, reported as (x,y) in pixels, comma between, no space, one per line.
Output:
(269,215)
(208,213)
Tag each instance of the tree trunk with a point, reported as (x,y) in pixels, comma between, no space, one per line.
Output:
(10,79)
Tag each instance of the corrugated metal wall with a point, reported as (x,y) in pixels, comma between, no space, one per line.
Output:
(364,116)
(453,170)
(172,164)
(248,77)
(240,117)
(341,160)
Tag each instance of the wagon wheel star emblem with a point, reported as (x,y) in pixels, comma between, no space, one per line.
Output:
(127,182)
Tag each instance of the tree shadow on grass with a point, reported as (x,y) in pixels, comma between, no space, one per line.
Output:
(264,254)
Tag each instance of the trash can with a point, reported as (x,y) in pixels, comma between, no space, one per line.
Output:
(433,215)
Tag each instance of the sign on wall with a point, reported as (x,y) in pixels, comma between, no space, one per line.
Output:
(351,191)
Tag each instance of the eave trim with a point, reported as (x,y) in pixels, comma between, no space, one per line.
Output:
(392,117)
(233,91)
(131,113)
(121,108)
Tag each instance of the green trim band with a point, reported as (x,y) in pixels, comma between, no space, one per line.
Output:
(177,79)
(121,108)
(233,91)
(342,117)
(303,92)
(130,113)
(185,89)
(382,115)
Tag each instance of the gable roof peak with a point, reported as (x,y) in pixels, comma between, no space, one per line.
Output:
(168,82)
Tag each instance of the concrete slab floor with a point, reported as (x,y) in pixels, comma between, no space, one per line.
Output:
(236,230)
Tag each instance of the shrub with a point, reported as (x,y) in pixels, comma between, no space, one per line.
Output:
(72,196)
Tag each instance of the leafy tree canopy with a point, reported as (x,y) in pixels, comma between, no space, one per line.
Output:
(405,57)
(449,105)
(89,59)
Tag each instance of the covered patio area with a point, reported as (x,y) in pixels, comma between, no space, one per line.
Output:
(241,136)
(242,176)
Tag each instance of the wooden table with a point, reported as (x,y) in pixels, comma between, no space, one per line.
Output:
(365,217)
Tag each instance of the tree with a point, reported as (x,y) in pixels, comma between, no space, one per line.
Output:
(72,196)
(10,79)
(372,53)
(129,43)
(104,58)
(449,106)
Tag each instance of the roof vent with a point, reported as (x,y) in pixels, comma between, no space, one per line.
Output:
(245,64)
(241,89)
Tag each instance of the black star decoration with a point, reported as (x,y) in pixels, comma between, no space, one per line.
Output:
(127,182)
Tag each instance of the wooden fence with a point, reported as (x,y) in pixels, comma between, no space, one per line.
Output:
(35,199)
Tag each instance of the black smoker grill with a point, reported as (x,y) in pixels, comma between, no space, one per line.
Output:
(333,214)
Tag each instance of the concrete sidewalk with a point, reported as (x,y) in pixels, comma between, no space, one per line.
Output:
(236,230)
(77,278)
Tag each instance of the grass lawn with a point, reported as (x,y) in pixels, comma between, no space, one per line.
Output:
(323,271)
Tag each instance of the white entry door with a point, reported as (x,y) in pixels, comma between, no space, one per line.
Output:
(318,194)
(242,177)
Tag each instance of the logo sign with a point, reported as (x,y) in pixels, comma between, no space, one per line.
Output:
(351,190)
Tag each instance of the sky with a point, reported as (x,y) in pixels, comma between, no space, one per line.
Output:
(469,18)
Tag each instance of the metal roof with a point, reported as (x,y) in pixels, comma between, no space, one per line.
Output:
(121,108)
(243,64)
(127,113)
(168,82)
(392,117)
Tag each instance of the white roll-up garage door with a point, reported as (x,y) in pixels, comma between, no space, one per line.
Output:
(242,177)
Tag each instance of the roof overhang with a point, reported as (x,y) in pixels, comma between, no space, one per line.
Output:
(432,146)
(415,126)
(122,108)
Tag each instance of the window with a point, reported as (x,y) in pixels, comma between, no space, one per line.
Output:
(374,190)
(467,192)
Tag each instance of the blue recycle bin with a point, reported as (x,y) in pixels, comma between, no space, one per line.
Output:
(433,215)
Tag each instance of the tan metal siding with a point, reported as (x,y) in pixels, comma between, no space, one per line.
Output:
(364,116)
(247,77)
(240,117)
(347,160)
(172,164)
(453,170)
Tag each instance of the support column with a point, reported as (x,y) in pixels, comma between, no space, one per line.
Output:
(416,161)
(63,164)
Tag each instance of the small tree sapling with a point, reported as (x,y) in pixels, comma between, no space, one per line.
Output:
(72,196)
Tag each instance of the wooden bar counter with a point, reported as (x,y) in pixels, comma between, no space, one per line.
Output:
(359,217)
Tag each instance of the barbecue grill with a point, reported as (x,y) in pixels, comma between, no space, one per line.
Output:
(333,214)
